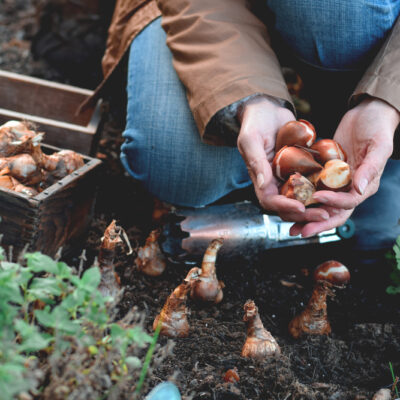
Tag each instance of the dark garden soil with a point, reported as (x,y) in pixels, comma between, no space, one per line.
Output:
(351,363)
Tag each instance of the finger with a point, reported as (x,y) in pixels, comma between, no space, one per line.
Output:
(281,204)
(370,169)
(345,200)
(252,150)
(310,215)
(295,229)
(313,228)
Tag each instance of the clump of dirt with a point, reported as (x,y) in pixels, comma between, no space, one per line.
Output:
(351,363)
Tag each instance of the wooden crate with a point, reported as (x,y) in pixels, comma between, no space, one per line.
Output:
(52,107)
(57,217)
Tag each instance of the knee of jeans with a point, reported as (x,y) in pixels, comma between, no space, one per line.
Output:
(332,34)
(181,179)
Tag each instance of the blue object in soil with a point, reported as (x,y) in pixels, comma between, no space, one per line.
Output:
(164,391)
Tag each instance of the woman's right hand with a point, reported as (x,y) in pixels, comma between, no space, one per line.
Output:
(261,118)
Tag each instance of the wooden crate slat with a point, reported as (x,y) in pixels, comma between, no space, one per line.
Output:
(52,107)
(43,98)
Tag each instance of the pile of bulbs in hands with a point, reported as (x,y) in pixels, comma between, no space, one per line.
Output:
(306,165)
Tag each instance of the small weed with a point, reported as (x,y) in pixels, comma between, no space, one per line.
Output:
(395,380)
(56,327)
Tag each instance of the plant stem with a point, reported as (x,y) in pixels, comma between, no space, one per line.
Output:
(147,360)
(394,378)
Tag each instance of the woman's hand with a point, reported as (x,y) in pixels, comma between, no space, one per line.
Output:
(261,119)
(366,134)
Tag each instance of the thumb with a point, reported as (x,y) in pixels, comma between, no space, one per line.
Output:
(251,147)
(370,169)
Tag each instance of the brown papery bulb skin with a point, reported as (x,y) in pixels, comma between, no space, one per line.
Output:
(173,316)
(150,260)
(259,344)
(301,133)
(299,188)
(328,149)
(16,137)
(314,319)
(336,176)
(11,183)
(289,160)
(60,164)
(110,282)
(21,167)
(207,287)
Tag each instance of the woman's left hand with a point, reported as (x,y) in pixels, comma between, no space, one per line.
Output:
(366,134)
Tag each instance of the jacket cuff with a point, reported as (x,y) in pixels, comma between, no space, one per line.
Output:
(216,116)
(225,123)
(377,86)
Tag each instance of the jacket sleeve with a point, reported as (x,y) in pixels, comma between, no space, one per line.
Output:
(222,54)
(382,78)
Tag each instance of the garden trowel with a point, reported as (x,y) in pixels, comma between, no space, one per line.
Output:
(245,229)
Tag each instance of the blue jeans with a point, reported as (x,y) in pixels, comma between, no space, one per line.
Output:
(162,147)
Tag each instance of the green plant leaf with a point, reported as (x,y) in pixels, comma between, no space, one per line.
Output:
(393,290)
(43,288)
(38,262)
(45,317)
(33,340)
(90,279)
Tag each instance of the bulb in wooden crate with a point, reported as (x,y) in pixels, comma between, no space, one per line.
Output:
(23,159)
(22,167)
(17,137)
(11,183)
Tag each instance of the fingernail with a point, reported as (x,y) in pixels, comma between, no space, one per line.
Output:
(362,185)
(260,180)
(325,217)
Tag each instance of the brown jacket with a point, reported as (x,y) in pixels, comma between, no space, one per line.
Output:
(222,53)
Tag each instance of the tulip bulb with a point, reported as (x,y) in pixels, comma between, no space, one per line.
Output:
(299,188)
(328,149)
(336,176)
(314,319)
(289,160)
(207,287)
(299,132)
(259,344)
